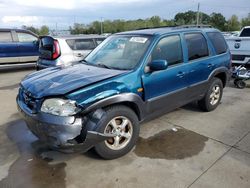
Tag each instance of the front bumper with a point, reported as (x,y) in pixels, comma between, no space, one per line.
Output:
(58,132)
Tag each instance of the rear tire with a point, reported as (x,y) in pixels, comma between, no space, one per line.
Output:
(240,83)
(123,123)
(213,96)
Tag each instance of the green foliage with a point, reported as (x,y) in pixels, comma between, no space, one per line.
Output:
(44,30)
(31,28)
(218,20)
(233,24)
(245,21)
(185,18)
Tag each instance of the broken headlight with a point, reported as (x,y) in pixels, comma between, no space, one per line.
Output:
(59,107)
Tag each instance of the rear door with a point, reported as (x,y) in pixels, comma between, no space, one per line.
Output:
(28,47)
(81,47)
(199,62)
(8,48)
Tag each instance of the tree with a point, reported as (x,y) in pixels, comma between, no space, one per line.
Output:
(44,30)
(233,24)
(156,21)
(185,18)
(245,21)
(78,29)
(218,20)
(31,28)
(204,19)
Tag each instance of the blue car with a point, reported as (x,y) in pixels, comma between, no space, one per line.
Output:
(129,78)
(18,47)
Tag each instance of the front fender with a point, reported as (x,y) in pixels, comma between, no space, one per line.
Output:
(131,98)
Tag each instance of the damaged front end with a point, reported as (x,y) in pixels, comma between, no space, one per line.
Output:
(63,133)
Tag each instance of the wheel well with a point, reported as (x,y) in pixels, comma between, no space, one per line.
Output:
(223,77)
(132,106)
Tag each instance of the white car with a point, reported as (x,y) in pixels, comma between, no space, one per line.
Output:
(63,51)
(240,47)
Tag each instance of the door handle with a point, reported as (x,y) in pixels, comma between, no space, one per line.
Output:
(79,55)
(180,74)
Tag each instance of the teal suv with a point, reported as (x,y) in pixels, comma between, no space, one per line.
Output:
(129,78)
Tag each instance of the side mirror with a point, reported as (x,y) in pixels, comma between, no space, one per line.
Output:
(158,65)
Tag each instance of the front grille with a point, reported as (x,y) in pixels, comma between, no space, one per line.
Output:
(27,98)
(239,57)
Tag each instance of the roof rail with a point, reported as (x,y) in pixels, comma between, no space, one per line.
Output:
(177,27)
(155,27)
(194,26)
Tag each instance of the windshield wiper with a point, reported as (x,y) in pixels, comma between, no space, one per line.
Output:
(84,61)
(104,66)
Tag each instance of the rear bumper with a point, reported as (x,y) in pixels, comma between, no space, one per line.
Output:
(59,132)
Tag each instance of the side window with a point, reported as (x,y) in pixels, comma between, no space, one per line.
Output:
(25,37)
(218,42)
(81,44)
(99,40)
(5,37)
(197,46)
(168,48)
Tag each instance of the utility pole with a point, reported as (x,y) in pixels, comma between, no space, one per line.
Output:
(198,15)
(101,26)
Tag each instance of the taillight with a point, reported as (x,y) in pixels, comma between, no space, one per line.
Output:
(56,50)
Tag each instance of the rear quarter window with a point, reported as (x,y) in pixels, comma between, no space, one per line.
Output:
(197,46)
(218,42)
(81,44)
(5,37)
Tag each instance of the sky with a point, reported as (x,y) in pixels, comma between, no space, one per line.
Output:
(63,13)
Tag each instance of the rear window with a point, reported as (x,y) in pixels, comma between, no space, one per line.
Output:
(5,37)
(245,32)
(81,44)
(218,42)
(46,47)
(197,46)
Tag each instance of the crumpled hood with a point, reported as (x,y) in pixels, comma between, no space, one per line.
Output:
(59,81)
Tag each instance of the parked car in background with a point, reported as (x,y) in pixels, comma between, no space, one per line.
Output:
(64,50)
(240,47)
(18,47)
(129,78)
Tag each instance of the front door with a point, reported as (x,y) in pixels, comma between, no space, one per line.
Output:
(165,89)
(28,47)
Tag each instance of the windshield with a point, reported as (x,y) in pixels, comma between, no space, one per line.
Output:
(119,52)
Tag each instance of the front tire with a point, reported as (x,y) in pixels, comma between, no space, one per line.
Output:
(123,123)
(213,96)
